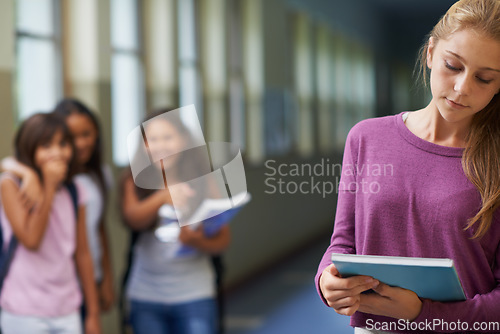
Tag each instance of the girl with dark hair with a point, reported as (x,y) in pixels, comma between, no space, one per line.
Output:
(41,291)
(442,199)
(93,176)
(169,293)
(96,178)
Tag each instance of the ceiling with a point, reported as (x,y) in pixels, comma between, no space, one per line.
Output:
(408,22)
(411,15)
(397,26)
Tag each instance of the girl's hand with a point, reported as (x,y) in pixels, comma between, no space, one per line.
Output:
(180,194)
(106,294)
(31,189)
(344,294)
(92,324)
(391,302)
(191,237)
(54,172)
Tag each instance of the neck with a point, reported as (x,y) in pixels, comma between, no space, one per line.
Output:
(81,169)
(171,175)
(430,125)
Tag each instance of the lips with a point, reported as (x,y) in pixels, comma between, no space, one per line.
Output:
(454,104)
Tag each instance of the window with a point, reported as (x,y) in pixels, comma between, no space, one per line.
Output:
(236,81)
(127,81)
(213,42)
(189,73)
(304,84)
(253,77)
(324,82)
(401,88)
(38,53)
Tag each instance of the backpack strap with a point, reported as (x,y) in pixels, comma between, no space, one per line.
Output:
(74,196)
(6,257)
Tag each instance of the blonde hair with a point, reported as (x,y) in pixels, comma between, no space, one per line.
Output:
(481,157)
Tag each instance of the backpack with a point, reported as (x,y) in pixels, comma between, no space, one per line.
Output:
(6,255)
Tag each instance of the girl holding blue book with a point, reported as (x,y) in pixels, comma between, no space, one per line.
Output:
(170,291)
(442,199)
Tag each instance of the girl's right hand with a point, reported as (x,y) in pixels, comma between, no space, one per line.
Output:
(343,294)
(31,189)
(54,172)
(181,194)
(92,325)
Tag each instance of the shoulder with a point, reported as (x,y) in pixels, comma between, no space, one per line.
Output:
(9,180)
(125,176)
(371,134)
(373,126)
(108,175)
(126,182)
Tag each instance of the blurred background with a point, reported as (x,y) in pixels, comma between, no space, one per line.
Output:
(284,80)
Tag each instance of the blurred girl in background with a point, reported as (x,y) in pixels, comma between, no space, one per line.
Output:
(93,176)
(168,292)
(41,292)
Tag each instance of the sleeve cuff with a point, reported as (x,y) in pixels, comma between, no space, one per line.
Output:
(425,312)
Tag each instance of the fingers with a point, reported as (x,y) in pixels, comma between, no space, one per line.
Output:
(187,190)
(384,290)
(54,171)
(27,201)
(180,194)
(349,310)
(335,282)
(333,270)
(348,297)
(343,294)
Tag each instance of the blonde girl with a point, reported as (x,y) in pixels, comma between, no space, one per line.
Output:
(442,198)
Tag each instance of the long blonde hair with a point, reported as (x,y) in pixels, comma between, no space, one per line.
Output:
(481,157)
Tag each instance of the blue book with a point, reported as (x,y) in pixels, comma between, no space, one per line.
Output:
(218,213)
(212,225)
(434,279)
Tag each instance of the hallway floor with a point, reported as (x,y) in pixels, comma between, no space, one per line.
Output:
(284,300)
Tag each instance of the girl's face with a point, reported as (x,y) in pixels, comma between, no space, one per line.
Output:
(57,148)
(84,136)
(465,74)
(164,140)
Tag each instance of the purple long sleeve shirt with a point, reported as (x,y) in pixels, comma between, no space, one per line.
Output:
(400,195)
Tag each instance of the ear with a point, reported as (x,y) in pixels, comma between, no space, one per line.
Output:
(430,50)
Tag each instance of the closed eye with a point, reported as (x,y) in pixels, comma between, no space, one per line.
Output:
(456,69)
(448,66)
(484,81)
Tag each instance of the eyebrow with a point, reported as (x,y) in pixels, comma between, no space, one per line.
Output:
(463,60)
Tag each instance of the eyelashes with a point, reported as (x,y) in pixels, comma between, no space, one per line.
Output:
(456,69)
(448,66)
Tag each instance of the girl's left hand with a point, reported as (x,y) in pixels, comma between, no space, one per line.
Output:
(31,189)
(106,294)
(191,237)
(92,324)
(391,302)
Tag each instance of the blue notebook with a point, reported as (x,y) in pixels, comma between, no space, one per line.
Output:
(215,209)
(434,279)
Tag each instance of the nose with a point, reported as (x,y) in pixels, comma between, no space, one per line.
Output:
(56,152)
(80,143)
(463,84)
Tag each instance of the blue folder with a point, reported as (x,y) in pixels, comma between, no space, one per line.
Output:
(434,279)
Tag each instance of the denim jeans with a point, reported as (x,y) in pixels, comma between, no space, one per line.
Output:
(196,317)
